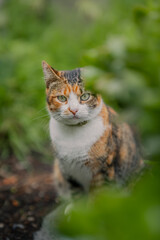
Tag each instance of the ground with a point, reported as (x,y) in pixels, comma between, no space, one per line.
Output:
(25,198)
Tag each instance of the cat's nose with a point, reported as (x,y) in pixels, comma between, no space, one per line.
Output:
(73,111)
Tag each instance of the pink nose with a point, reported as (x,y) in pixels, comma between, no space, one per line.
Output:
(73,111)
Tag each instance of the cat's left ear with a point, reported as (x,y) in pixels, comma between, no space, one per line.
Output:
(50,74)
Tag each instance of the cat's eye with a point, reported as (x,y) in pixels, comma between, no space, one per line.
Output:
(85,96)
(62,98)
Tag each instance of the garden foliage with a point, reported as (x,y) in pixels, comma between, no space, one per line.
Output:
(120,42)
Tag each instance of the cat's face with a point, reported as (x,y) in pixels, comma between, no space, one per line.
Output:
(67,100)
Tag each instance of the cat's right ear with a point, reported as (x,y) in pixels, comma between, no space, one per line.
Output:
(50,74)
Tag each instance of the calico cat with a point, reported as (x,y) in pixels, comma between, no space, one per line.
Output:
(91,147)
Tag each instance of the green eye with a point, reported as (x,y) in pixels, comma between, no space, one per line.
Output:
(62,98)
(85,96)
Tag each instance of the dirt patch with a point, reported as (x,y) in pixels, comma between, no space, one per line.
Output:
(25,198)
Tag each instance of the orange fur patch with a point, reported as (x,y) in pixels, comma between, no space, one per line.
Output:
(53,103)
(97,181)
(105,115)
(58,179)
(47,90)
(112,111)
(111,173)
(67,90)
(76,89)
(99,99)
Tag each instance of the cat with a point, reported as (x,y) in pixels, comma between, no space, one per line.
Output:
(91,146)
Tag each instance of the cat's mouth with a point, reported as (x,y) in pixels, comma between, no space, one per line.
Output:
(75,117)
(72,117)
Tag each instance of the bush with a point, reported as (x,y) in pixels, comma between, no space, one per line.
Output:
(115,214)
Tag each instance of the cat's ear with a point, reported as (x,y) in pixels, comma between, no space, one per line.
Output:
(50,74)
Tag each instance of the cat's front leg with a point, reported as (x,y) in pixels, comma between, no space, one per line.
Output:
(97,181)
(62,187)
(103,176)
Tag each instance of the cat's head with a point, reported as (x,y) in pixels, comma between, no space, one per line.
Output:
(67,100)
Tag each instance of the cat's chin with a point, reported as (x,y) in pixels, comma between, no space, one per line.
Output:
(74,121)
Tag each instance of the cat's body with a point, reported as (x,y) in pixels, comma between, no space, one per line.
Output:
(91,147)
(72,144)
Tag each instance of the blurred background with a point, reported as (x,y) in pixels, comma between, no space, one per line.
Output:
(118,39)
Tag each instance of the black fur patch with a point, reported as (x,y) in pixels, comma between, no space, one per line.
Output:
(74,183)
(73,76)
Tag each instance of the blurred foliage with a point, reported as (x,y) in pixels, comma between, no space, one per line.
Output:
(115,214)
(120,42)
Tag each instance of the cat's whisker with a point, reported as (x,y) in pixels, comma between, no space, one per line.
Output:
(37,114)
(42,109)
(46,115)
(45,128)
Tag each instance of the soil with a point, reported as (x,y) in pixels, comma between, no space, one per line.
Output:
(25,198)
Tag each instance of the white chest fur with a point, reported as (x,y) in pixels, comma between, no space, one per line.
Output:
(72,144)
